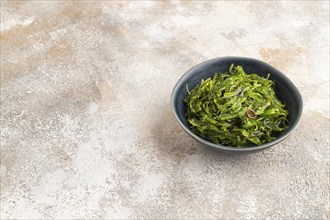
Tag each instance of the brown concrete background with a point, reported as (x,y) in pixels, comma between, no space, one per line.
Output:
(86,126)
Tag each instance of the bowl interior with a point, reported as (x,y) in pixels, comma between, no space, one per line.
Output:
(284,88)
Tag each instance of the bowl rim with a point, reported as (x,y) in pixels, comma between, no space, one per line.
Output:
(230,148)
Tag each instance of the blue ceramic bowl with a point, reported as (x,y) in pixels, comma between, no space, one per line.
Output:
(285,90)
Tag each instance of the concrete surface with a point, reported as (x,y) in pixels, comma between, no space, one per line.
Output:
(86,126)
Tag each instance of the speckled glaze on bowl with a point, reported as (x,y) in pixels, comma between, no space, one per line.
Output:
(284,88)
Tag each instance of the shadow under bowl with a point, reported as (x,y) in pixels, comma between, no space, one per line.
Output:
(284,88)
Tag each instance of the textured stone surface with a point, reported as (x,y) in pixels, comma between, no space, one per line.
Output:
(86,126)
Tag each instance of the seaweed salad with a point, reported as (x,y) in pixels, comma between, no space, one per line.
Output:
(236,109)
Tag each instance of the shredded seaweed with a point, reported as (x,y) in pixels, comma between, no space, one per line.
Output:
(236,109)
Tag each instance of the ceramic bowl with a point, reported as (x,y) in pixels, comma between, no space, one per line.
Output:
(285,90)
